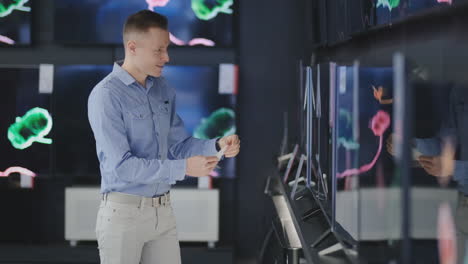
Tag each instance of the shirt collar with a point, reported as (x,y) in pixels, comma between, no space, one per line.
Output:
(122,74)
(127,79)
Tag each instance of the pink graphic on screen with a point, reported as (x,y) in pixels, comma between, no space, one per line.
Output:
(196,41)
(445,1)
(193,42)
(155,3)
(6,40)
(379,124)
(446,235)
(20,170)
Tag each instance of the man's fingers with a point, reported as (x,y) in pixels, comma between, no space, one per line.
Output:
(232,150)
(425,161)
(428,171)
(233,147)
(233,139)
(232,154)
(426,158)
(211,159)
(426,164)
(211,163)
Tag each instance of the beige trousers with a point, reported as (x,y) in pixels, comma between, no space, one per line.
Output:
(137,233)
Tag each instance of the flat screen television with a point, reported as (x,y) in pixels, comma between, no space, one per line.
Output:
(191,23)
(206,112)
(27,123)
(370,179)
(15,22)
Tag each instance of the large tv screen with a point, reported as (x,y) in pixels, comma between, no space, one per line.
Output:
(370,173)
(196,22)
(15,22)
(375,126)
(207,114)
(390,11)
(75,149)
(26,124)
(345,150)
(208,111)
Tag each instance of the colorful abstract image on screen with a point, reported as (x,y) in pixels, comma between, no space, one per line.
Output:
(26,123)
(32,127)
(15,22)
(389,4)
(391,11)
(220,123)
(191,23)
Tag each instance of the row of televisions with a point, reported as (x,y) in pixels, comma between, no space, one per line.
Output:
(340,20)
(202,23)
(363,130)
(44,124)
(205,23)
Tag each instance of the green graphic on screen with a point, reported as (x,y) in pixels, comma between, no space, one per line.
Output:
(390,4)
(204,12)
(32,127)
(6,9)
(347,143)
(219,124)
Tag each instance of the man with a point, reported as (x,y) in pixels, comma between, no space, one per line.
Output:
(445,156)
(143,149)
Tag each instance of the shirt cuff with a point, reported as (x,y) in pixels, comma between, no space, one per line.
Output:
(177,171)
(210,147)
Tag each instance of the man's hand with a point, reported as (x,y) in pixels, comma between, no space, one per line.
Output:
(200,166)
(438,166)
(434,166)
(442,166)
(232,143)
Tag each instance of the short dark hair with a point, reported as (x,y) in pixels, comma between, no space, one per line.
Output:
(143,20)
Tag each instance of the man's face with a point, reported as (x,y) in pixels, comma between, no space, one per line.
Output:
(151,52)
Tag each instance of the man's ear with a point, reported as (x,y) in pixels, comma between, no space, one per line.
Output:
(131,46)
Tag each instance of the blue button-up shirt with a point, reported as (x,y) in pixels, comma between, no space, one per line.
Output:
(141,143)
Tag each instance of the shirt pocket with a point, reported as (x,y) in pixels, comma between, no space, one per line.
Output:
(141,124)
(163,111)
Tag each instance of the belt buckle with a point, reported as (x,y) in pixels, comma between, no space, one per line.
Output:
(155,201)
